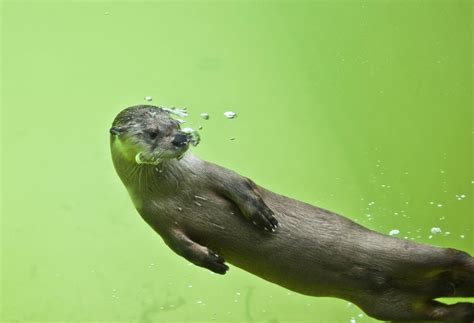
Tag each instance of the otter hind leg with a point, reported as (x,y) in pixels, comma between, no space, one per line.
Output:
(452,283)
(405,307)
(455,279)
(437,311)
(463,276)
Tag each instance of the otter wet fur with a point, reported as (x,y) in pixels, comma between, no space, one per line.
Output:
(211,215)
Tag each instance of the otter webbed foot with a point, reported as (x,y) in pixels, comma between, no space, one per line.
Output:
(199,255)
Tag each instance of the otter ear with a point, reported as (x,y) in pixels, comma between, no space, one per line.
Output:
(116,131)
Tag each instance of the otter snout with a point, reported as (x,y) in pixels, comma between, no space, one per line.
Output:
(180,140)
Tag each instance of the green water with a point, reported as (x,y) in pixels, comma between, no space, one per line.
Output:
(361,107)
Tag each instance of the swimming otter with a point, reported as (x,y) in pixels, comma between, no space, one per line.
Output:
(205,212)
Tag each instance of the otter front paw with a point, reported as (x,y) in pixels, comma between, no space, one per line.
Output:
(215,263)
(263,217)
(247,197)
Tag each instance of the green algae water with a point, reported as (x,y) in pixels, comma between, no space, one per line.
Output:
(360,107)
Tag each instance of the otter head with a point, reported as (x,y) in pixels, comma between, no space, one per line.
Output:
(147,134)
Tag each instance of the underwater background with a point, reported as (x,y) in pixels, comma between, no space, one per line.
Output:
(360,107)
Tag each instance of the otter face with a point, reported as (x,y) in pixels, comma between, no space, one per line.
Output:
(148,135)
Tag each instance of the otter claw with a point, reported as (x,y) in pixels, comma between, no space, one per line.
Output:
(216,264)
(265,220)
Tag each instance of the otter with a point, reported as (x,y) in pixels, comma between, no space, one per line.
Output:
(211,215)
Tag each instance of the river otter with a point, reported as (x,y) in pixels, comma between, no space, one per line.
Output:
(208,214)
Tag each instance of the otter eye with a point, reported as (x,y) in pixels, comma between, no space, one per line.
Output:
(153,134)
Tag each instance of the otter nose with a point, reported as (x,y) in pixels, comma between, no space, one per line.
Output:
(180,140)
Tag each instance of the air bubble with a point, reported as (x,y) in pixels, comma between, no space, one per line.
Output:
(230,114)
(394,232)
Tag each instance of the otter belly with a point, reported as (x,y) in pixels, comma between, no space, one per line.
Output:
(312,252)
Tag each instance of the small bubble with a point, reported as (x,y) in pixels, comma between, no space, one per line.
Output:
(138,158)
(435,230)
(200,127)
(394,232)
(232,138)
(148,98)
(230,114)
(190,286)
(439,205)
(106,13)
(181,121)
(205,116)
(462,236)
